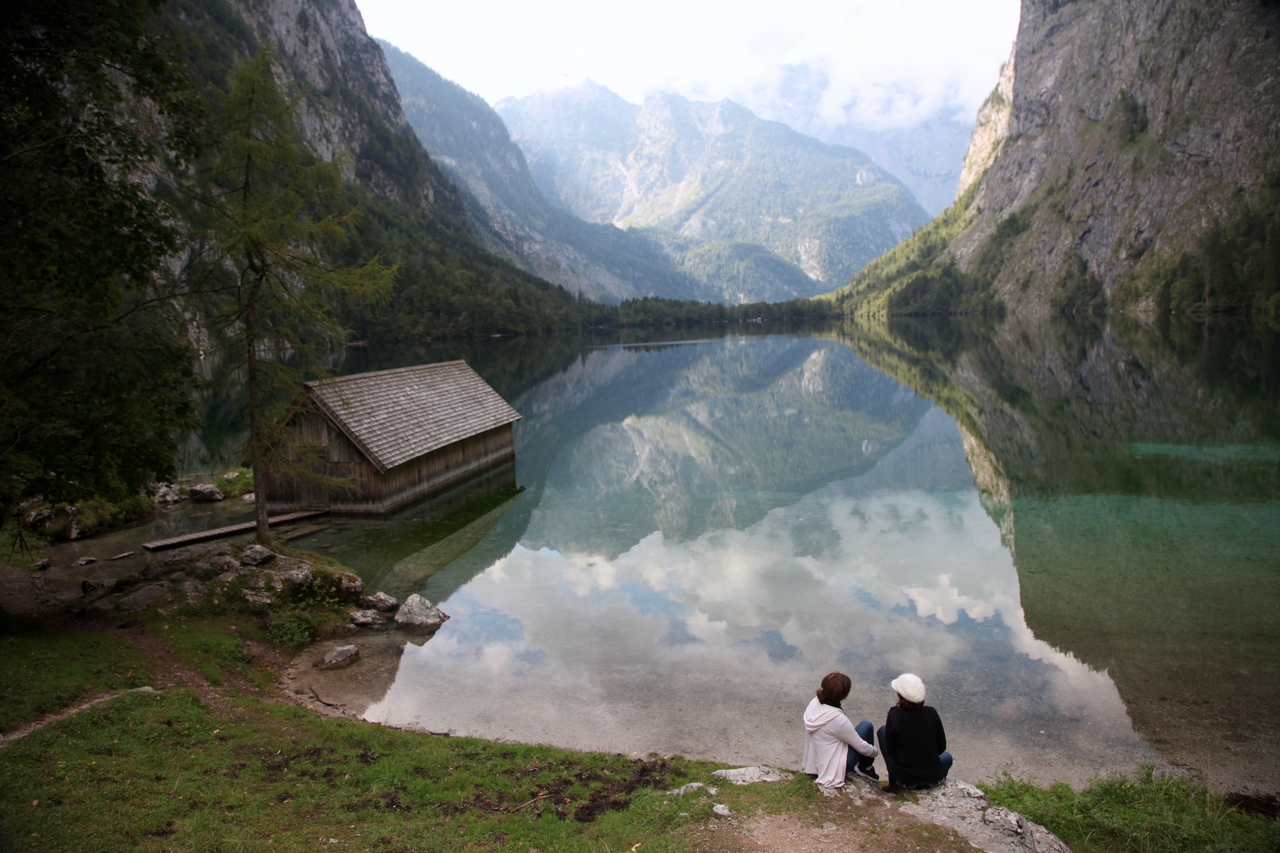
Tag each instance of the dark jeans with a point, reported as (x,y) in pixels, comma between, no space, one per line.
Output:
(889,763)
(866,731)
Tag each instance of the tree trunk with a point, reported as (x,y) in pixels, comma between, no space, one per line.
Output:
(257,458)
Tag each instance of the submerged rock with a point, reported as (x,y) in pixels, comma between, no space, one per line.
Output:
(419,614)
(256,555)
(342,656)
(205,493)
(380,601)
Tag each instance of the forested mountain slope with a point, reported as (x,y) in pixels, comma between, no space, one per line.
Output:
(1130,163)
(712,176)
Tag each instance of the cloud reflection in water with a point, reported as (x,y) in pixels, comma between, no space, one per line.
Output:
(712,646)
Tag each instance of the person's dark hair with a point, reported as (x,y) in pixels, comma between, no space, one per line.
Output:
(903,703)
(835,687)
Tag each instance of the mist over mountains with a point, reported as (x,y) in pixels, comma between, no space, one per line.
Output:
(925,155)
(706,177)
(674,198)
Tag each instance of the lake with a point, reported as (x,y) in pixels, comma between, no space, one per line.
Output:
(1070,532)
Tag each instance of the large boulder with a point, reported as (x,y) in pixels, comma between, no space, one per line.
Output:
(419,614)
(144,596)
(205,493)
(92,589)
(380,601)
(296,571)
(256,555)
(166,493)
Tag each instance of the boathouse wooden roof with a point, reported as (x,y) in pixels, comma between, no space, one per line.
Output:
(397,415)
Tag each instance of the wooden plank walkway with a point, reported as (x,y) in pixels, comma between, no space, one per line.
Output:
(230,530)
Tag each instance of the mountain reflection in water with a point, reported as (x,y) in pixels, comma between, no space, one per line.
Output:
(709,528)
(1135,473)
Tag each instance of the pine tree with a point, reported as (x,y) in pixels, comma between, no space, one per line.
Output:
(274,216)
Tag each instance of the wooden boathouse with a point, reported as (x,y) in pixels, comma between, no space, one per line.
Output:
(394,436)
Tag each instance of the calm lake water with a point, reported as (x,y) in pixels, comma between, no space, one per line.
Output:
(1075,543)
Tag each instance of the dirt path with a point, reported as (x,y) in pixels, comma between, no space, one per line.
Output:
(22,731)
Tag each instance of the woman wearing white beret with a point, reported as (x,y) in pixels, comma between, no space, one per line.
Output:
(912,740)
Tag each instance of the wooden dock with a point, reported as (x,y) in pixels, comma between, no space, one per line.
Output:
(230,530)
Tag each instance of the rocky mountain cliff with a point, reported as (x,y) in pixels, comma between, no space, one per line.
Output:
(511,217)
(411,215)
(1128,132)
(711,174)
(348,106)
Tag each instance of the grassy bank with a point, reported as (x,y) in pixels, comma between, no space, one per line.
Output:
(170,771)
(215,761)
(1147,814)
(42,672)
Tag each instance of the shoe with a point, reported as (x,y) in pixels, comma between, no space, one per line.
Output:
(868,773)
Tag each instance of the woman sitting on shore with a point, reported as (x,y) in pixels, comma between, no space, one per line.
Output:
(912,739)
(833,746)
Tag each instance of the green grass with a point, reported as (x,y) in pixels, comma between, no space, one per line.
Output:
(42,671)
(208,645)
(1144,814)
(164,771)
(234,487)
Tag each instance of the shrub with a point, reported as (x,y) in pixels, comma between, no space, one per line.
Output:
(293,630)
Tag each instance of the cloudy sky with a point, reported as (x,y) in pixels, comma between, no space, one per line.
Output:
(874,64)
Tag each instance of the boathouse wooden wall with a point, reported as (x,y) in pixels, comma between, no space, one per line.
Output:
(333,455)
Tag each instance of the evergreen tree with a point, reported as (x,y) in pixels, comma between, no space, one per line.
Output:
(271,210)
(95,378)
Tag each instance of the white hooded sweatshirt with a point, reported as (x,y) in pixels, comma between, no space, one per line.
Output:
(827,736)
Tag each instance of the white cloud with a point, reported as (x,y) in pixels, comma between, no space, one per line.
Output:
(884,64)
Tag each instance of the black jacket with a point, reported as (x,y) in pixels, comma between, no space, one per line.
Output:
(913,740)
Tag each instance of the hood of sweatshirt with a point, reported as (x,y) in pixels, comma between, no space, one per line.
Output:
(818,715)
